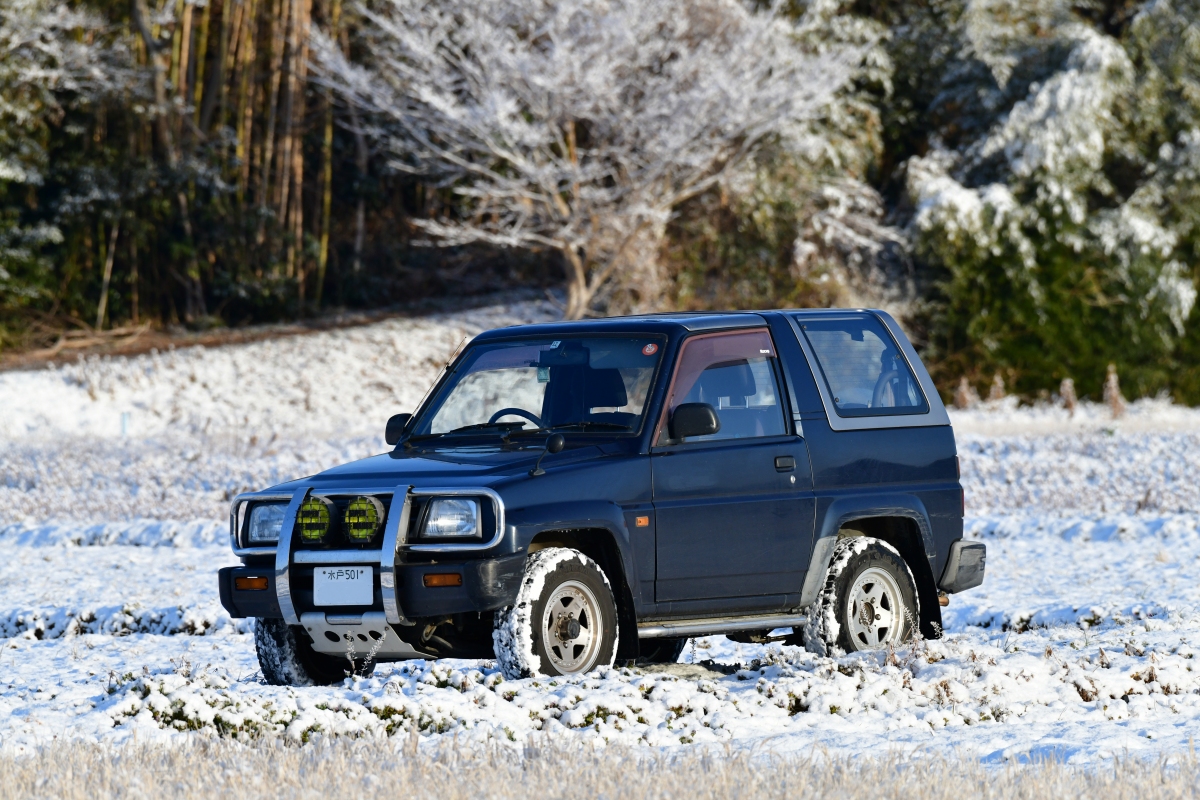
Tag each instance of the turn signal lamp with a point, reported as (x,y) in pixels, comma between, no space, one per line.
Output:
(250,584)
(362,518)
(312,519)
(433,579)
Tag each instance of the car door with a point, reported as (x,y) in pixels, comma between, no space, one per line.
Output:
(733,510)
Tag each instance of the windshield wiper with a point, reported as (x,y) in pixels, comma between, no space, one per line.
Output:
(528,431)
(481,427)
(584,425)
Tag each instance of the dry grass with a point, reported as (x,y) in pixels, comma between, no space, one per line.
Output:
(212,769)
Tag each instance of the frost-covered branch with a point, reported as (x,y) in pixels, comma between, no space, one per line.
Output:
(579,124)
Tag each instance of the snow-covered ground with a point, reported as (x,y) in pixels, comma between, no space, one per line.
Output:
(1079,644)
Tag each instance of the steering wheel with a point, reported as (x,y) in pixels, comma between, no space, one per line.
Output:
(520,412)
(882,385)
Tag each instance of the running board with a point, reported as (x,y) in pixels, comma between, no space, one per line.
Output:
(698,627)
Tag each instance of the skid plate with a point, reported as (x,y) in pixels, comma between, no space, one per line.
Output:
(337,635)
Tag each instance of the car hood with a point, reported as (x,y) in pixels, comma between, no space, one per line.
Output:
(450,467)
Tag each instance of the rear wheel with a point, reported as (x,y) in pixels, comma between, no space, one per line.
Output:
(869,601)
(286,657)
(564,621)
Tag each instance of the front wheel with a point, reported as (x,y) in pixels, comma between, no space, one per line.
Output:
(869,601)
(564,620)
(287,658)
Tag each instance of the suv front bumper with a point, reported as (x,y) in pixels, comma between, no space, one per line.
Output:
(487,584)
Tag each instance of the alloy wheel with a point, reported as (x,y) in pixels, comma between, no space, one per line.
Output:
(571,626)
(875,609)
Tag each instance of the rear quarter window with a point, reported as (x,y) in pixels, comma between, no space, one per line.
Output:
(863,368)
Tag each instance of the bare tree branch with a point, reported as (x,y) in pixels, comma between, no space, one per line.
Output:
(579,124)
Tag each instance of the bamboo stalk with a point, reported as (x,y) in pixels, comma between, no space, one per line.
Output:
(361,162)
(108,266)
(279,20)
(176,40)
(296,244)
(291,157)
(256,102)
(185,46)
(246,57)
(285,136)
(335,13)
(185,50)
(218,93)
(201,55)
(133,280)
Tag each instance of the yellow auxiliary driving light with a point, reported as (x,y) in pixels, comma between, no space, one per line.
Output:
(362,519)
(312,519)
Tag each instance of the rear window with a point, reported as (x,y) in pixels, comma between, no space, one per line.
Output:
(863,368)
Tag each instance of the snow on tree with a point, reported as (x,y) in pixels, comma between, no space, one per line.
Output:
(579,125)
(49,59)
(1049,212)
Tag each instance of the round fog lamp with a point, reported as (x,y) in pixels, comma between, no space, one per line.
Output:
(362,518)
(312,519)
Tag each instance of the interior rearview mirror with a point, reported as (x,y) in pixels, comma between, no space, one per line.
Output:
(694,419)
(395,427)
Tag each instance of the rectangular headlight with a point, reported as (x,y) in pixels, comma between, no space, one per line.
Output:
(452,516)
(266,520)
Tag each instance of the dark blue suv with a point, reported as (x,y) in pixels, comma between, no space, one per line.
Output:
(577,493)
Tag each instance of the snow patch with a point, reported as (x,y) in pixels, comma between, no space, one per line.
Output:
(136,533)
(54,623)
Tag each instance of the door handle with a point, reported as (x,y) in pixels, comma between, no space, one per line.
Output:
(784,463)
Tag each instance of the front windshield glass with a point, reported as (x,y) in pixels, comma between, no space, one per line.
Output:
(595,384)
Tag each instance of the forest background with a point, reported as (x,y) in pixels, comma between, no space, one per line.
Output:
(1019,181)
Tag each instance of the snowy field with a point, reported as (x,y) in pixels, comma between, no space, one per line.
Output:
(115,477)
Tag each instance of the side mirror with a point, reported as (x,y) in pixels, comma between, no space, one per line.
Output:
(554,444)
(395,427)
(694,419)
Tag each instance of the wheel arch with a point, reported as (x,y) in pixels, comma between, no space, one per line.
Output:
(899,520)
(600,545)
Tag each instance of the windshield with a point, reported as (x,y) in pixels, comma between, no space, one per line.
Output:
(594,384)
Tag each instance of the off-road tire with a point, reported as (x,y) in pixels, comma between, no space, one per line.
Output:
(520,633)
(660,651)
(286,657)
(862,571)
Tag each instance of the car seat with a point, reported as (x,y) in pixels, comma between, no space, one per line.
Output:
(728,387)
(575,389)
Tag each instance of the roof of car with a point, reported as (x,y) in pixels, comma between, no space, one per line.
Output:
(640,323)
(667,322)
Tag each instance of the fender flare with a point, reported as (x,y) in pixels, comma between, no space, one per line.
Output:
(844,510)
(529,521)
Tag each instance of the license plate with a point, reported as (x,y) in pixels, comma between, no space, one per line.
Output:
(343,586)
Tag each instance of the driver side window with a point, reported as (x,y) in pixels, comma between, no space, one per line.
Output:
(735,374)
